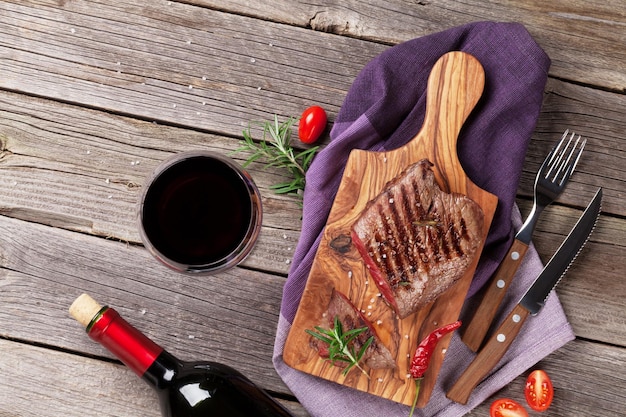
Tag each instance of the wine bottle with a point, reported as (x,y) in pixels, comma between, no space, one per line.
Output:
(184,389)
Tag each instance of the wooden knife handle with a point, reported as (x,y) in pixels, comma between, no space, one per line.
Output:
(489,355)
(475,332)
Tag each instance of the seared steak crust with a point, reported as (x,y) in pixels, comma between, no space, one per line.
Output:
(417,240)
(377,356)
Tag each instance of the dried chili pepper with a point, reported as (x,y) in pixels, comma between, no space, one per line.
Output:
(423,353)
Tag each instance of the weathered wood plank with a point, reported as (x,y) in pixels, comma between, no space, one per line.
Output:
(148,86)
(181,64)
(585,39)
(186,313)
(83,170)
(82,385)
(123,151)
(572,369)
(72,385)
(229,318)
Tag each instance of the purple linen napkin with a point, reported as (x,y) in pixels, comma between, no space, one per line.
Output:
(382,111)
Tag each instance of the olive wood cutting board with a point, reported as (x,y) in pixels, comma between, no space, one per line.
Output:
(454,87)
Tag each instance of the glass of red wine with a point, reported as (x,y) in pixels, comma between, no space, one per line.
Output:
(200,213)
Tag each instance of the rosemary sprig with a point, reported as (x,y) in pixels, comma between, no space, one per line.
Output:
(276,150)
(341,345)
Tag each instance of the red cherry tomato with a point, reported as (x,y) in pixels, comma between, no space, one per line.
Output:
(539,391)
(312,124)
(505,407)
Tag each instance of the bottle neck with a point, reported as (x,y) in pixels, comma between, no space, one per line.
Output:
(127,343)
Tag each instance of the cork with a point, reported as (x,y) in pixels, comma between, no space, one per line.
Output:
(84,309)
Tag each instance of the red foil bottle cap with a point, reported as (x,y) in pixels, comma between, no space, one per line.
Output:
(127,343)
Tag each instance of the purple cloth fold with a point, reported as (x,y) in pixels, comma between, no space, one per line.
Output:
(382,111)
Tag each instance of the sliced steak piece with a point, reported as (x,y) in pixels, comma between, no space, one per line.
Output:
(417,240)
(377,356)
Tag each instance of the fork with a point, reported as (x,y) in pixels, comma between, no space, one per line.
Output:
(550,181)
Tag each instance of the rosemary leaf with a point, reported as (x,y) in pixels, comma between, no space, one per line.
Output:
(275,150)
(341,345)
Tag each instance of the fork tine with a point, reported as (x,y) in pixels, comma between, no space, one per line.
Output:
(572,160)
(556,154)
(553,157)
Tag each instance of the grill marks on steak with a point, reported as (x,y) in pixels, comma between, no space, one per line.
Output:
(417,240)
(377,356)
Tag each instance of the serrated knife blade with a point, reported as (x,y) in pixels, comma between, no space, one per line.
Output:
(557,266)
(530,304)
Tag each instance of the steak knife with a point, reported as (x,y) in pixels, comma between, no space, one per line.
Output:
(530,304)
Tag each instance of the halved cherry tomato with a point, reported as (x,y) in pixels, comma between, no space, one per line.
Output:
(539,391)
(505,407)
(312,124)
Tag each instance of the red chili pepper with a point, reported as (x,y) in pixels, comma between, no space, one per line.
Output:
(423,353)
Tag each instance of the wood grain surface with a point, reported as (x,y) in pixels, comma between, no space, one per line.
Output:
(454,87)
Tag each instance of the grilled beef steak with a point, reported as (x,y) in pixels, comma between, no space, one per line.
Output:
(417,240)
(377,356)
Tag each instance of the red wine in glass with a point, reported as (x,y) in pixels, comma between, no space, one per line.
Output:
(200,213)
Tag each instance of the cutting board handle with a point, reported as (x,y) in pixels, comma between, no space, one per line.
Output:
(454,87)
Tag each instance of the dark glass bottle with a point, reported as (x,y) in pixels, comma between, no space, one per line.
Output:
(185,389)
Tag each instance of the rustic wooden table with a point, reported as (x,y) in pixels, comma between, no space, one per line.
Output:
(94,94)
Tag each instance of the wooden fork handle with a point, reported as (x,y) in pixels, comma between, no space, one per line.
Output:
(489,356)
(475,332)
